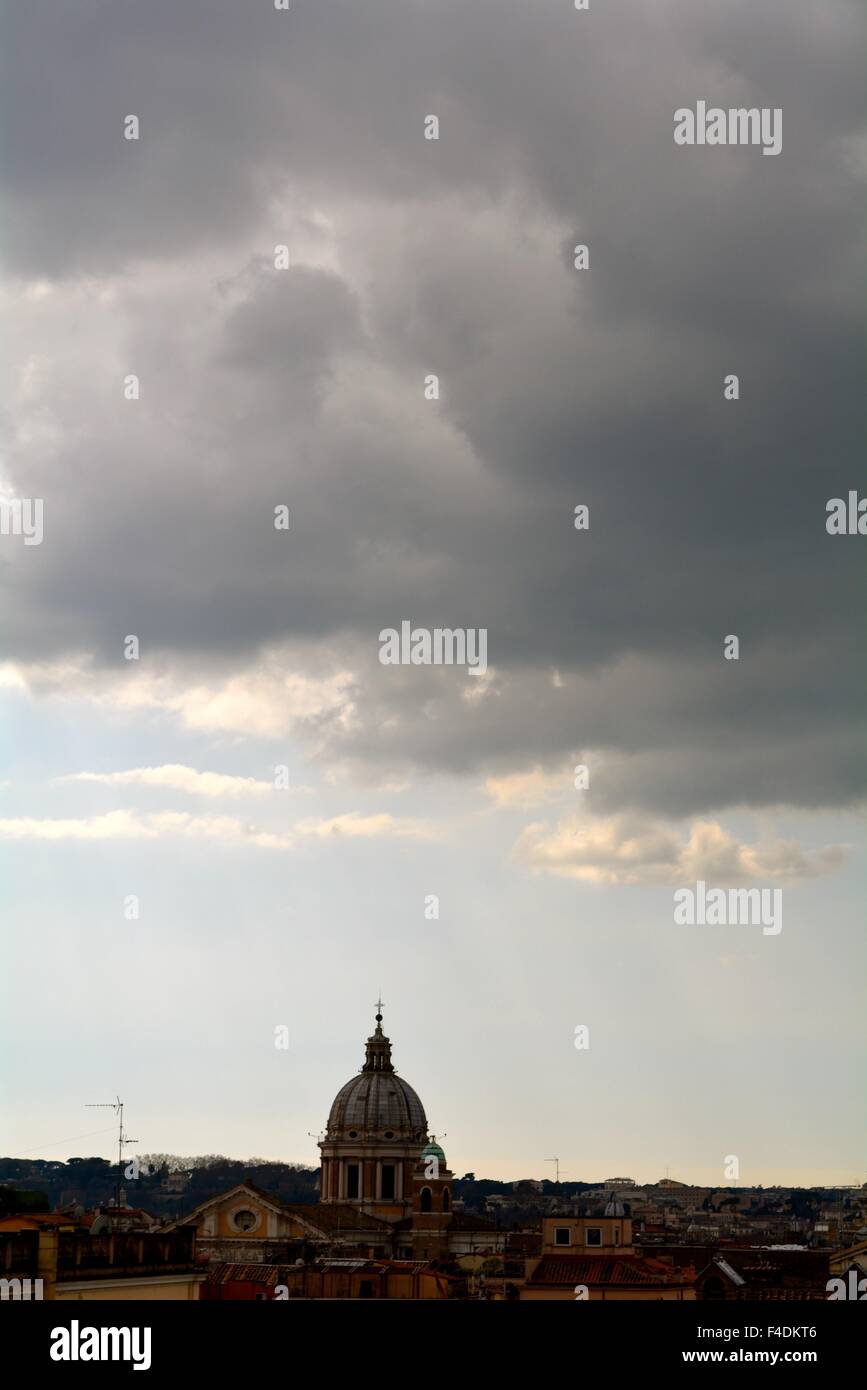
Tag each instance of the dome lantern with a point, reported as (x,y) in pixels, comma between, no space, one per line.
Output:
(378,1052)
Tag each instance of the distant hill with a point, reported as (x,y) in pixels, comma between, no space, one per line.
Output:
(167,1191)
(169,1185)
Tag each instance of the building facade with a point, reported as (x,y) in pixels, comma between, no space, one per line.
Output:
(593,1258)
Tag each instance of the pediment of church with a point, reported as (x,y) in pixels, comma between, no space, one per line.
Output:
(245,1212)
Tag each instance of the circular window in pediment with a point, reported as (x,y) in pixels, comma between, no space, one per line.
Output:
(245,1220)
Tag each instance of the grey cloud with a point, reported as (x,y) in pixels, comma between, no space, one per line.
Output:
(605,387)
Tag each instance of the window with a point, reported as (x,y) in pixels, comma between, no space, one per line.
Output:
(594,1235)
(353,1134)
(244,1220)
(426,1199)
(616,1235)
(366,1289)
(352,1175)
(562,1235)
(386,1182)
(446,1199)
(389,1134)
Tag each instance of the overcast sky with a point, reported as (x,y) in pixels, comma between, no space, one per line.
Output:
(305,386)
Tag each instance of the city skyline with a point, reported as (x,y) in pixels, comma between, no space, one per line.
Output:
(563,1173)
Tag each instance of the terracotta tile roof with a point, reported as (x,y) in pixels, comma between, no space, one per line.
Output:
(595,1269)
(271,1275)
(333,1218)
(244,1274)
(379,1267)
(809,1265)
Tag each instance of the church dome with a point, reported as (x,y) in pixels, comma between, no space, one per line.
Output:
(433,1150)
(375,1103)
(377,1100)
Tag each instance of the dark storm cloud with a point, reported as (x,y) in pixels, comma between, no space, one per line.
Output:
(558,387)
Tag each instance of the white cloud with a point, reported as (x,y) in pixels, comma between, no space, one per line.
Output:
(228,830)
(630,849)
(264,701)
(260,701)
(179,778)
(116,825)
(526,789)
(712,854)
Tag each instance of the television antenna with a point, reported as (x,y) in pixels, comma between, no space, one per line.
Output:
(556,1163)
(122,1139)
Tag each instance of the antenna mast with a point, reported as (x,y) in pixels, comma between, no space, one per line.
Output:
(122,1139)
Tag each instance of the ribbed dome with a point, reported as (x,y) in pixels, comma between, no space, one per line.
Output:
(377,1099)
